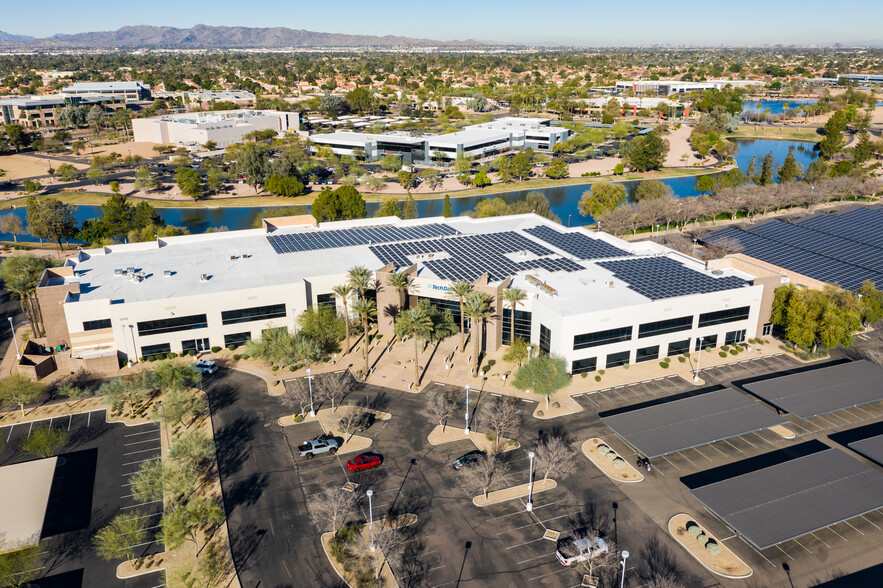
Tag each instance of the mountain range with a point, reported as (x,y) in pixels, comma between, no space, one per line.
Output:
(204,36)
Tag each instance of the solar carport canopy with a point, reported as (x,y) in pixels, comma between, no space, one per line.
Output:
(819,391)
(872,448)
(790,499)
(692,421)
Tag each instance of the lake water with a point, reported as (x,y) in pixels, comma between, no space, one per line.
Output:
(563,200)
(775,106)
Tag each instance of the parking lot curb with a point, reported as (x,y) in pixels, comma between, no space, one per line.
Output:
(716,540)
(522,489)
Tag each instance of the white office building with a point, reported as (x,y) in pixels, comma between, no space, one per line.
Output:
(594,299)
(223,127)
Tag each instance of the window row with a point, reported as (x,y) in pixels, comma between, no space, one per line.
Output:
(684,323)
(95,325)
(602,337)
(522,325)
(255,313)
(720,317)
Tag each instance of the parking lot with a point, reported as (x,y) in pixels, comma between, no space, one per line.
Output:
(90,487)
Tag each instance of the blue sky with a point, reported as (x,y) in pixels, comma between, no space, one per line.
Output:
(581,22)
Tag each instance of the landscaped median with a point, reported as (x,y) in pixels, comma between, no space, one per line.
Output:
(349,573)
(616,467)
(331,421)
(707,549)
(513,492)
(441,435)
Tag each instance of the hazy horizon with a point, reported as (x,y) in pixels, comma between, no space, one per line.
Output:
(567,22)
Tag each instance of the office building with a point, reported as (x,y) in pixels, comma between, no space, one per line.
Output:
(223,127)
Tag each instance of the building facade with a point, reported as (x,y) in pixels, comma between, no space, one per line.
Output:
(224,128)
(593,299)
(118,90)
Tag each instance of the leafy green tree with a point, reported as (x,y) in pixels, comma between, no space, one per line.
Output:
(284,186)
(9,223)
(651,189)
(403,284)
(767,173)
(481,179)
(174,375)
(184,522)
(67,172)
(517,351)
(389,207)
(326,206)
(123,391)
(516,167)
(416,324)
(96,175)
(19,566)
(407,179)
(180,404)
(43,441)
(447,211)
(833,140)
(647,152)
(189,182)
(277,347)
(557,170)
(361,100)
(195,448)
(870,303)
(391,163)
(463,163)
(323,325)
(32,186)
(352,205)
(252,162)
(119,537)
(409,208)
(603,197)
(173,480)
(817,171)
(790,169)
(18,137)
(543,375)
(145,180)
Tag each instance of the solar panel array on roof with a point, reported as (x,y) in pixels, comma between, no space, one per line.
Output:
(470,256)
(577,244)
(785,501)
(689,422)
(661,277)
(333,238)
(826,389)
(844,249)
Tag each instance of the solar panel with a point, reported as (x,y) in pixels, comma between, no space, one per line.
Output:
(579,245)
(872,448)
(334,238)
(660,277)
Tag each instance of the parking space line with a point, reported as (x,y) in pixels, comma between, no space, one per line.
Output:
(783,551)
(8,437)
(141,504)
(850,524)
(804,546)
(671,464)
(545,555)
(696,449)
(141,451)
(142,461)
(870,521)
(139,442)
(821,540)
(523,544)
(156,430)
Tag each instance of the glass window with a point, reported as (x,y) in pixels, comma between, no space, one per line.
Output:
(454,306)
(767,330)
(95,325)
(734,337)
(236,338)
(325,300)
(170,325)
(674,325)
(522,325)
(724,316)
(708,342)
(647,354)
(583,365)
(545,339)
(602,337)
(678,347)
(255,313)
(616,359)
(158,349)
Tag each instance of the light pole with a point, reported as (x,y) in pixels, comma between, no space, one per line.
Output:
(698,361)
(369,494)
(467,409)
(529,349)
(694,247)
(529,505)
(625,556)
(14,339)
(859,309)
(310,383)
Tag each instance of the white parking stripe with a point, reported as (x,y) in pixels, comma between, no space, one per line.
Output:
(140,505)
(156,430)
(142,461)
(138,442)
(141,451)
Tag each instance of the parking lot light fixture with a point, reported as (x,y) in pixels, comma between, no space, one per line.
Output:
(310,383)
(529,505)
(369,494)
(14,339)
(467,409)
(625,556)
(698,361)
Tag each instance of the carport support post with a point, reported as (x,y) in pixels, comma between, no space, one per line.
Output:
(14,339)
(369,494)
(467,409)
(529,505)
(310,383)
(698,360)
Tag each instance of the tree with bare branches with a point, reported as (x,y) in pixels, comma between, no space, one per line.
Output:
(332,508)
(555,457)
(617,220)
(499,416)
(440,407)
(722,247)
(389,543)
(333,387)
(602,564)
(297,395)
(483,474)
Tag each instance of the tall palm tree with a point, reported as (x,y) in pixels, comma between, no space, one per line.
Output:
(403,283)
(417,324)
(477,307)
(359,278)
(344,292)
(366,309)
(458,291)
(514,297)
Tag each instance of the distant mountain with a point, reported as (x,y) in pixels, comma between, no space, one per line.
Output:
(220,37)
(14,38)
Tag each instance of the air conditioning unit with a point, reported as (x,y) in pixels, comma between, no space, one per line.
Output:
(203,278)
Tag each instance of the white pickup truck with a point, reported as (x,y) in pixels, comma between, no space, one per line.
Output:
(321,444)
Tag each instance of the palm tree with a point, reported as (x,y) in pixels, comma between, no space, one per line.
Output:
(477,307)
(416,323)
(344,291)
(366,309)
(458,291)
(514,296)
(360,279)
(403,283)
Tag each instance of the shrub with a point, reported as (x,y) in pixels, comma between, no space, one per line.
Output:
(275,368)
(625,366)
(611,455)
(237,356)
(486,368)
(619,463)
(713,548)
(597,378)
(540,413)
(231,347)
(734,352)
(602,449)
(725,347)
(556,405)
(490,436)
(491,362)
(215,349)
(192,353)
(584,375)
(170,356)
(693,530)
(723,353)
(601,372)
(682,359)
(702,538)
(298,418)
(663,364)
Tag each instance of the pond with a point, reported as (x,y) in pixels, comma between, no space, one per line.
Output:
(775,106)
(563,200)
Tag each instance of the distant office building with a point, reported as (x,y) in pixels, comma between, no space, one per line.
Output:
(862,78)
(675,87)
(207,98)
(118,90)
(40,111)
(222,127)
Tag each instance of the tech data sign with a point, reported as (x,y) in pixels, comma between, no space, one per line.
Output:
(431,290)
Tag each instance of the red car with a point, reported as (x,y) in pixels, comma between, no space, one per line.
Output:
(366,461)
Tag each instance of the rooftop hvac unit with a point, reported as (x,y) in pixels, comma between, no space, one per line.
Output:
(717,272)
(203,278)
(167,273)
(234,257)
(130,269)
(119,271)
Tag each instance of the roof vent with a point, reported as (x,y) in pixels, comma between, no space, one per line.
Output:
(203,278)
(717,272)
(167,273)
(234,257)
(119,271)
(130,270)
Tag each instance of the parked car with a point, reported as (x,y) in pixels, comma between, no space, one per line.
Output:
(365,461)
(467,459)
(321,444)
(571,551)
(206,366)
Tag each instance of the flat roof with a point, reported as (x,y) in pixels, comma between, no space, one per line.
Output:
(690,421)
(818,391)
(777,503)
(102,86)
(872,448)
(25,490)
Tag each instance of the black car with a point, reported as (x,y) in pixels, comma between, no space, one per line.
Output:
(471,457)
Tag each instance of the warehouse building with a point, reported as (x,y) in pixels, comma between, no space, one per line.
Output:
(223,127)
(594,299)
